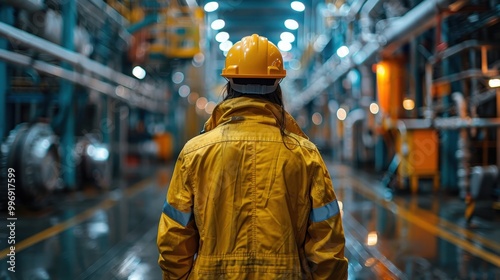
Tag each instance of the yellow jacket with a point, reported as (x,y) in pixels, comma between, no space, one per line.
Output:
(243,205)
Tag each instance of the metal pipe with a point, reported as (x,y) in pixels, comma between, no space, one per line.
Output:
(355,9)
(122,142)
(27,5)
(402,29)
(456,49)
(366,21)
(428,111)
(81,62)
(399,32)
(458,123)
(403,131)
(472,73)
(89,82)
(333,106)
(498,134)
(110,12)
(416,21)
(452,123)
(52,30)
(474,85)
(462,154)
(7,15)
(354,117)
(3,95)
(100,12)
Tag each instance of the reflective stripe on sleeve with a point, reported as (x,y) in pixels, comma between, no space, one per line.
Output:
(324,212)
(182,218)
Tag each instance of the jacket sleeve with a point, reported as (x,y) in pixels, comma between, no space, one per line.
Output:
(177,233)
(325,242)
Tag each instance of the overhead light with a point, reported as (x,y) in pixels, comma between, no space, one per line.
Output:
(218,24)
(178,77)
(372,238)
(225,46)
(198,59)
(97,152)
(211,7)
(287,37)
(201,103)
(374,108)
(139,72)
(317,118)
(291,24)
(341,114)
(284,46)
(320,43)
(184,90)
(222,37)
(408,104)
(193,96)
(494,83)
(380,69)
(209,108)
(343,51)
(298,6)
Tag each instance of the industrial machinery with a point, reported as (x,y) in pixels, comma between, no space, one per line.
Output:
(31,150)
(93,162)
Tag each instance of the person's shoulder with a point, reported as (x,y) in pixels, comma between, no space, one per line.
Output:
(302,142)
(199,141)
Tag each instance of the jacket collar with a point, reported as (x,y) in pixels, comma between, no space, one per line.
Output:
(252,109)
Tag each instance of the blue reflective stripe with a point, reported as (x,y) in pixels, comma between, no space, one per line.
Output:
(182,218)
(325,212)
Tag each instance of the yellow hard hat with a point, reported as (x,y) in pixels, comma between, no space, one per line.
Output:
(254,57)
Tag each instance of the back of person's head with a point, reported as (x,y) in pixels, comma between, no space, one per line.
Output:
(254,67)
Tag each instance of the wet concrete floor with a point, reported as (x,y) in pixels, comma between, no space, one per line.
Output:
(112,234)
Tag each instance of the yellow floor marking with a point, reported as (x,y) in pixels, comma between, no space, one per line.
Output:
(87,214)
(428,226)
(470,235)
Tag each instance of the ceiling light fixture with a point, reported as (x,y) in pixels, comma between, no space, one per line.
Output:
(343,51)
(218,24)
(341,114)
(298,6)
(287,37)
(139,72)
(494,83)
(211,7)
(222,37)
(291,24)
(284,46)
(374,109)
(225,46)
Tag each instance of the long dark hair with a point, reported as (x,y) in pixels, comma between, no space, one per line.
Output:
(275,97)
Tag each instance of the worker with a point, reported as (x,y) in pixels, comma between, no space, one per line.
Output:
(251,198)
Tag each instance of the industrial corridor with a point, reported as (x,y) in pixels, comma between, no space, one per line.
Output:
(102,103)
